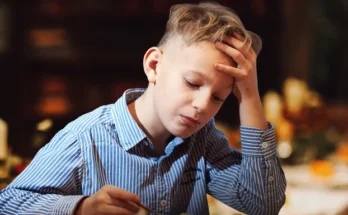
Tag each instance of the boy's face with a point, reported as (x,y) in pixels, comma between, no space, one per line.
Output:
(188,91)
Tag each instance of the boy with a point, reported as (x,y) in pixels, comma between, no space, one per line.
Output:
(159,146)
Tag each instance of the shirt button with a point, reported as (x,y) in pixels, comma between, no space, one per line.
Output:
(264,145)
(270,178)
(163,203)
(146,143)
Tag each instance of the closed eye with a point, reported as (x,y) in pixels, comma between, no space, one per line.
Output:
(218,99)
(191,85)
(196,86)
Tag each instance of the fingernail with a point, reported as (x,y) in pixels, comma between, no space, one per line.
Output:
(218,66)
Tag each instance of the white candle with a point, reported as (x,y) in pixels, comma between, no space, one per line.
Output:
(295,91)
(273,106)
(3,140)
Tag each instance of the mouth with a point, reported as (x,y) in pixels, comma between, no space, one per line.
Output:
(189,121)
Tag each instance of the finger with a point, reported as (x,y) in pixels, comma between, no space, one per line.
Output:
(126,205)
(241,38)
(112,210)
(118,193)
(232,71)
(241,45)
(237,56)
(238,36)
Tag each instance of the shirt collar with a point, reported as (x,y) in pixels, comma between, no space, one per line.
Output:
(128,131)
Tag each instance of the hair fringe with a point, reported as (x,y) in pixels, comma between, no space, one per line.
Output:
(207,21)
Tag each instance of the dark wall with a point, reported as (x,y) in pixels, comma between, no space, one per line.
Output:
(106,43)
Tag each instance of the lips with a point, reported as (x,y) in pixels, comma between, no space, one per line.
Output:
(189,121)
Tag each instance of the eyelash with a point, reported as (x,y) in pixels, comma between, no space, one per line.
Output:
(218,99)
(195,86)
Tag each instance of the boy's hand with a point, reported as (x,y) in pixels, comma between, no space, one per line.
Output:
(245,73)
(109,200)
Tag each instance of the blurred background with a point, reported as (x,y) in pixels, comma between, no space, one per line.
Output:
(62,58)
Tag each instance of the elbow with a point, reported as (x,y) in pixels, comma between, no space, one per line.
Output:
(264,205)
(269,207)
(273,206)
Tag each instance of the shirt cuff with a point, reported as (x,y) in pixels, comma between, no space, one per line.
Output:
(66,205)
(256,142)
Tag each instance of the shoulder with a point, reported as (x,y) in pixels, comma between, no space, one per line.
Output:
(98,117)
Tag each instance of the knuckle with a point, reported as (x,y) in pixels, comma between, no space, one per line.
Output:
(253,58)
(253,54)
(248,67)
(106,187)
(222,68)
(238,55)
(99,198)
(244,73)
(224,47)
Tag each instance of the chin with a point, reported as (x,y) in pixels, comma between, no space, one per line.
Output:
(182,133)
(183,136)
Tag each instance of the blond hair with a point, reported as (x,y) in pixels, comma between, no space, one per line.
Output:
(206,21)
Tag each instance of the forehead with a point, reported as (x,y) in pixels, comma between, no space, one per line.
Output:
(201,53)
(199,56)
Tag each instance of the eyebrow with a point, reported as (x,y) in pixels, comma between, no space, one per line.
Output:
(197,72)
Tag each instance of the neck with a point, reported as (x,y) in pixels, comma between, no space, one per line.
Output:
(149,122)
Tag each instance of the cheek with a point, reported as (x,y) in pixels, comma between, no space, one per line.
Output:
(212,112)
(172,92)
(171,87)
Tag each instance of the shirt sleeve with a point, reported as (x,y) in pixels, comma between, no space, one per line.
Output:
(51,184)
(251,181)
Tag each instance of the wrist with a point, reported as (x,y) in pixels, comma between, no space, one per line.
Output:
(247,96)
(78,208)
(251,112)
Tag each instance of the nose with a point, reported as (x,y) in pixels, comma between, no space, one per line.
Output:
(201,101)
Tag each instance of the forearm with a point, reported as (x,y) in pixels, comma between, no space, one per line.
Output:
(51,184)
(248,187)
(257,184)
(251,112)
(17,201)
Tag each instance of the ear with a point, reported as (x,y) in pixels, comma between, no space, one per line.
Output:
(150,62)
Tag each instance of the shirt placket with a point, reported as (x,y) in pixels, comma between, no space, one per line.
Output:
(163,197)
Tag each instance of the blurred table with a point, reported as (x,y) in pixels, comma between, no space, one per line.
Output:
(310,195)
(306,194)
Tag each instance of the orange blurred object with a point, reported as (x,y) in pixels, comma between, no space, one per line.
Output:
(54,97)
(46,38)
(322,168)
(342,152)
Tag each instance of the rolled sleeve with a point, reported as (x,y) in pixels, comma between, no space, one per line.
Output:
(256,142)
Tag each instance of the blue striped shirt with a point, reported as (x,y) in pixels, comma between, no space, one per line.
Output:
(107,147)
